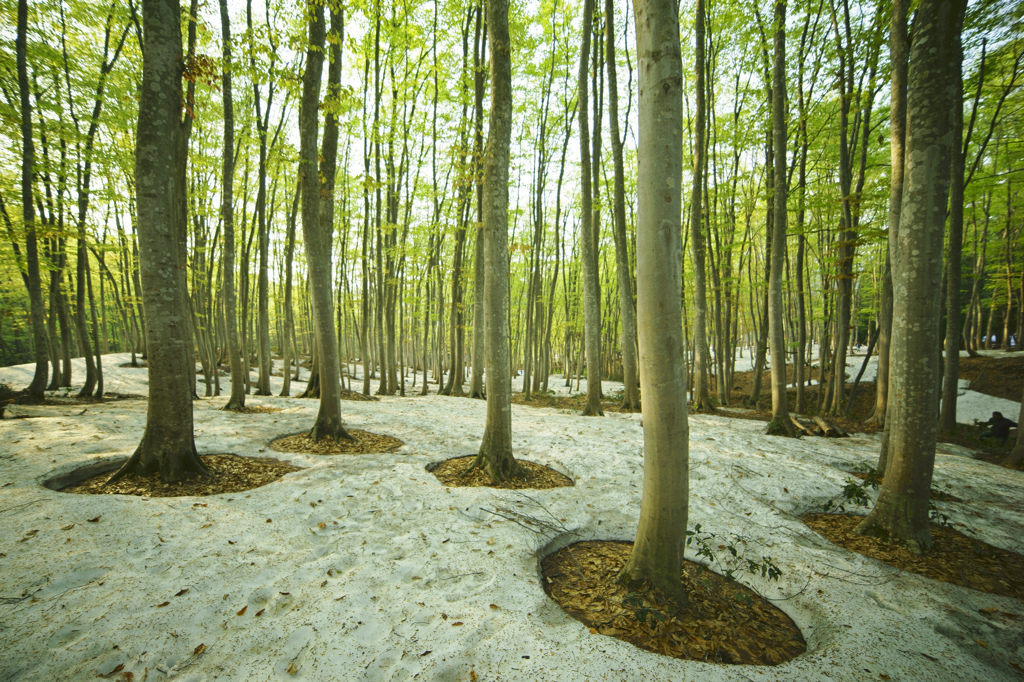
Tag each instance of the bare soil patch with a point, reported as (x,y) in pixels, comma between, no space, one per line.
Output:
(365,443)
(954,557)
(254,409)
(988,450)
(356,396)
(231,474)
(937,495)
(574,402)
(725,621)
(141,364)
(1001,377)
(456,472)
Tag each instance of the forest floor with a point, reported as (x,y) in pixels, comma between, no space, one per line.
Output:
(367,567)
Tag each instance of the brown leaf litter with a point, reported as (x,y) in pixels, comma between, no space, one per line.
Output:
(725,622)
(231,474)
(569,402)
(254,409)
(954,558)
(456,473)
(365,443)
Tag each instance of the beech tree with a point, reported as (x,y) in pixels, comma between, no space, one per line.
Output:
(657,555)
(901,512)
(167,447)
(588,238)
(328,422)
(779,423)
(495,454)
(32,278)
(227,213)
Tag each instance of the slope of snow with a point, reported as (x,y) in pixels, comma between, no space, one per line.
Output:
(409,579)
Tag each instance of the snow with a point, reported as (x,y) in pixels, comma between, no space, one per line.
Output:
(378,593)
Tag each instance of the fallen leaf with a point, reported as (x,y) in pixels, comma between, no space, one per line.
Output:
(231,542)
(284,593)
(95,519)
(242,611)
(29,535)
(260,613)
(292,669)
(160,606)
(593,631)
(205,526)
(883,677)
(68,527)
(268,520)
(321,525)
(178,594)
(494,606)
(428,651)
(981,643)
(458,622)
(202,647)
(989,609)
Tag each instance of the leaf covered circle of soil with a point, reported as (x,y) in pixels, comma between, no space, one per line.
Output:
(231,474)
(358,397)
(253,409)
(365,443)
(954,558)
(569,402)
(456,472)
(725,621)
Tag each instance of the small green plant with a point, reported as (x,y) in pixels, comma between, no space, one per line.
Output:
(735,563)
(855,493)
(644,613)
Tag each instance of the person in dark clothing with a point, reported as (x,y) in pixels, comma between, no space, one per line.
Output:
(998,428)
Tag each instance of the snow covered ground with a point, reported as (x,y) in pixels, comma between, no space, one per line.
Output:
(409,579)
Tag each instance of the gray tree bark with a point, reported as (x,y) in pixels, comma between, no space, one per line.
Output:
(954,253)
(901,512)
(35,289)
(588,241)
(227,212)
(495,453)
(657,554)
(780,423)
(328,422)
(630,378)
(167,447)
(701,358)
(898,49)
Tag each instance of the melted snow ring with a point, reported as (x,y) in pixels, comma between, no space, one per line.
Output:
(455,472)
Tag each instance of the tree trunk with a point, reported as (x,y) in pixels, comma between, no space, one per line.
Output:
(657,553)
(631,395)
(495,453)
(35,290)
(954,253)
(328,422)
(588,240)
(237,399)
(779,423)
(901,512)
(167,447)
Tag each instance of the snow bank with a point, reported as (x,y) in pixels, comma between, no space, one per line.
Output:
(411,579)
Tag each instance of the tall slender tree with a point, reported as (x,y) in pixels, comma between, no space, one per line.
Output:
(495,454)
(227,214)
(779,423)
(657,554)
(901,512)
(630,379)
(328,422)
(588,240)
(33,282)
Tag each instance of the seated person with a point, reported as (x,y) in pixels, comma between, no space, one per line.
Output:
(998,427)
